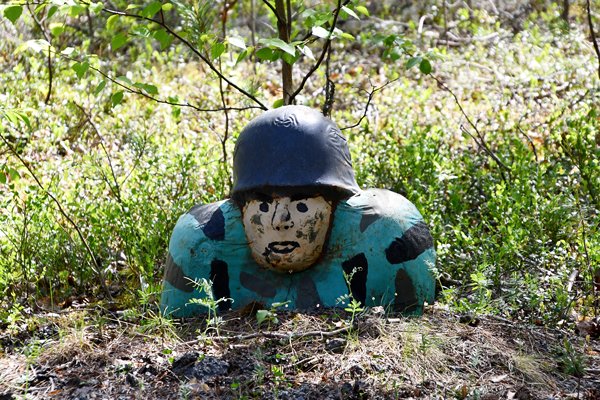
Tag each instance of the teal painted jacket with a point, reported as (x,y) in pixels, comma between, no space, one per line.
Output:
(379,251)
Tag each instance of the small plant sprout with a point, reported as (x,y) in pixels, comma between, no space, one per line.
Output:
(353,306)
(204,286)
(270,316)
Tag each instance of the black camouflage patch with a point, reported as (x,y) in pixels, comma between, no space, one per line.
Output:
(175,276)
(406,300)
(415,241)
(307,294)
(258,285)
(219,276)
(367,219)
(358,268)
(211,220)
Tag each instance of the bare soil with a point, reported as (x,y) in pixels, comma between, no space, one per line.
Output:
(299,356)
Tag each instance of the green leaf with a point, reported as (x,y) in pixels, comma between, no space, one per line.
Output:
(150,89)
(12,13)
(111,23)
(140,30)
(167,7)
(163,37)
(413,61)
(100,87)
(267,54)
(243,55)
(51,12)
(321,32)
(2,177)
(216,50)
(80,68)
(56,29)
(280,44)
(116,98)
(307,52)
(289,59)
(69,52)
(278,103)
(37,45)
(363,10)
(16,117)
(350,12)
(345,35)
(124,79)
(237,42)
(96,8)
(75,10)
(13,173)
(425,66)
(151,9)
(389,40)
(118,41)
(313,18)
(260,316)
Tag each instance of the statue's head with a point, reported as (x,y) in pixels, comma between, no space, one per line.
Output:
(291,166)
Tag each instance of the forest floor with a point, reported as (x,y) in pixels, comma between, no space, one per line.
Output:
(299,356)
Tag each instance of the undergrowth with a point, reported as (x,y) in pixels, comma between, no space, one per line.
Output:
(512,202)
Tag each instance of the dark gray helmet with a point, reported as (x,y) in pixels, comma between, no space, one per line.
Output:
(289,147)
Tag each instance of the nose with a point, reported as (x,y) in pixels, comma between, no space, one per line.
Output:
(281,216)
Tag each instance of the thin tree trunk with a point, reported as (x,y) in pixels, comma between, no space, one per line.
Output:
(253,29)
(283,25)
(565,11)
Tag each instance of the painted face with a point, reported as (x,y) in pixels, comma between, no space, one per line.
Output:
(287,234)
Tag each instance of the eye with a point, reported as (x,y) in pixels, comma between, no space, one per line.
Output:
(301,207)
(264,206)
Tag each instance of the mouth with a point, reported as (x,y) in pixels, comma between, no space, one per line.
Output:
(283,247)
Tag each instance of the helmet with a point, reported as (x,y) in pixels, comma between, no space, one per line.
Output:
(292,146)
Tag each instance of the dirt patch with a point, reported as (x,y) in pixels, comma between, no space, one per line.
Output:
(305,356)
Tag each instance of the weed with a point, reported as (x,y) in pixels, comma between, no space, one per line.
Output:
(207,300)
(571,361)
(270,316)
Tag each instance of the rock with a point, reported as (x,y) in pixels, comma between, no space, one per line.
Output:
(184,362)
(210,367)
(200,367)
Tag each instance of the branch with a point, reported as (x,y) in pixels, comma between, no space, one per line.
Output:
(530,143)
(49,58)
(481,142)
(224,102)
(277,335)
(591,25)
(272,9)
(371,94)
(193,49)
(95,265)
(323,52)
(116,190)
(329,88)
(157,100)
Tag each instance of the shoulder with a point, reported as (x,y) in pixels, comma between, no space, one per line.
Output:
(206,228)
(387,219)
(208,221)
(381,206)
